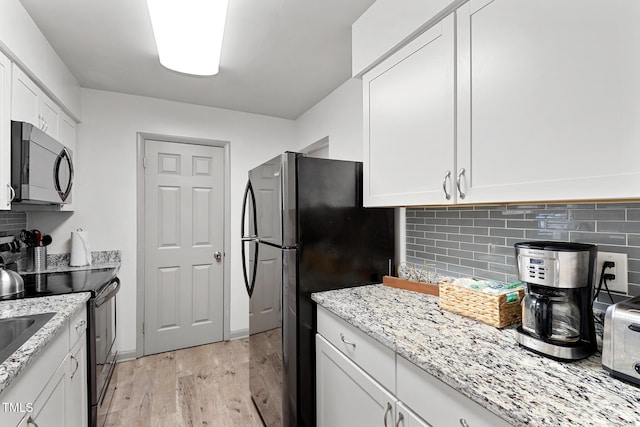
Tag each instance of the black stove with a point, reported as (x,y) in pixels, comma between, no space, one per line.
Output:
(67,282)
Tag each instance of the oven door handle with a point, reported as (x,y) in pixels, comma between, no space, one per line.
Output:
(109,291)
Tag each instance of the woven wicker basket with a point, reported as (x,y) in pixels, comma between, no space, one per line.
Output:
(495,310)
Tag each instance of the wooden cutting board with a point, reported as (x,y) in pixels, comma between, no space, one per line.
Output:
(410,285)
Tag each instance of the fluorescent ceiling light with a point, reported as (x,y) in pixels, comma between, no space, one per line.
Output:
(189,34)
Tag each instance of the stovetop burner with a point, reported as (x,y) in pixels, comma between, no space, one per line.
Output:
(67,282)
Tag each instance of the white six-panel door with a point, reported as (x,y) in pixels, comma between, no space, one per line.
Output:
(184,224)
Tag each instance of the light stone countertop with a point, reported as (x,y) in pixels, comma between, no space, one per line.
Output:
(57,263)
(65,306)
(485,363)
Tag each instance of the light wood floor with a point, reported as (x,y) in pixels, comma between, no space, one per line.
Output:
(199,386)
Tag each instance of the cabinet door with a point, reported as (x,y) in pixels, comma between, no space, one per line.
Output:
(5,133)
(407,418)
(25,97)
(77,400)
(67,131)
(409,122)
(345,395)
(548,100)
(50,113)
(49,407)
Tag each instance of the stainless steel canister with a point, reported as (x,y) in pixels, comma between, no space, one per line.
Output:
(36,258)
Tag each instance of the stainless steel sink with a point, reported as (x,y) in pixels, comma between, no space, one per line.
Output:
(15,331)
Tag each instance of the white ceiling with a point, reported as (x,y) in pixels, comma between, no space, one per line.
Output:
(279,57)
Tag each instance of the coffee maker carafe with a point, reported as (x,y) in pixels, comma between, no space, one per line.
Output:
(557,313)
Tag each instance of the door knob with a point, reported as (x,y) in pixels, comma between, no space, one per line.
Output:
(217,255)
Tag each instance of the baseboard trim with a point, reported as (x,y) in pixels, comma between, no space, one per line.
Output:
(132,354)
(238,334)
(126,355)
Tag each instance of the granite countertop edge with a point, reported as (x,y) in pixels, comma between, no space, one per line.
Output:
(63,268)
(65,307)
(422,348)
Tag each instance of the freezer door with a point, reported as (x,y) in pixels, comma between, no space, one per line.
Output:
(273,184)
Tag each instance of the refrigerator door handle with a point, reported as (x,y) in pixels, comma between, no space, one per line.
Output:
(249,192)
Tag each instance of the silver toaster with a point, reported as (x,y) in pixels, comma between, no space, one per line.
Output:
(621,340)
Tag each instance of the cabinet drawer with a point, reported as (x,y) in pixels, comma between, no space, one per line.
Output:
(374,358)
(438,403)
(77,326)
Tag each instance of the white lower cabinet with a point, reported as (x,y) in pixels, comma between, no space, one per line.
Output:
(439,403)
(407,418)
(53,390)
(77,398)
(345,395)
(49,407)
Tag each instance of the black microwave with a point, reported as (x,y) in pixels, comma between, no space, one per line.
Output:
(41,167)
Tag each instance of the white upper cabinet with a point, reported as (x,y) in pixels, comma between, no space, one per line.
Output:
(50,114)
(409,127)
(5,133)
(25,100)
(548,100)
(387,24)
(30,104)
(67,131)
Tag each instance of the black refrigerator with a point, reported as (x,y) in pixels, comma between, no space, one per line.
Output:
(304,230)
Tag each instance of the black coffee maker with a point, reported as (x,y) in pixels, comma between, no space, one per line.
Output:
(557,313)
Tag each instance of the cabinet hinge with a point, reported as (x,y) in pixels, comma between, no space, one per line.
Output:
(143,328)
(144,162)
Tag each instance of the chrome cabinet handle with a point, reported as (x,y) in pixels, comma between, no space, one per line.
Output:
(447,176)
(464,422)
(400,419)
(77,366)
(31,422)
(460,175)
(347,342)
(387,413)
(80,324)
(12,192)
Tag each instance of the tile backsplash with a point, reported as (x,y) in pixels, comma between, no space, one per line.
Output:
(12,222)
(478,240)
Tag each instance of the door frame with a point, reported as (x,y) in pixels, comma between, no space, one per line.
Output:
(140,229)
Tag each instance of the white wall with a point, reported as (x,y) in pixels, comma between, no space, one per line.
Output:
(338,116)
(105,195)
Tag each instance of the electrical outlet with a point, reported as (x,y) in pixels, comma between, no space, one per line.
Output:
(620,283)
